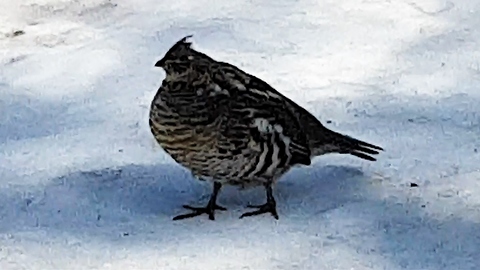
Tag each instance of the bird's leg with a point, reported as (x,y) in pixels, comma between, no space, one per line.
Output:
(209,209)
(269,207)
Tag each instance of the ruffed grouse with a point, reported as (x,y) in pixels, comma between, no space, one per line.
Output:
(230,127)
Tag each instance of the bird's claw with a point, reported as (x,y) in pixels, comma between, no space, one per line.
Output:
(196,211)
(268,207)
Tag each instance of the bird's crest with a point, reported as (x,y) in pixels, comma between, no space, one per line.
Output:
(180,50)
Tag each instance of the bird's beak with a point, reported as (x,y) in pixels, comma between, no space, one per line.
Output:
(160,63)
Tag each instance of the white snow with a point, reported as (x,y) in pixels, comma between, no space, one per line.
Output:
(83,185)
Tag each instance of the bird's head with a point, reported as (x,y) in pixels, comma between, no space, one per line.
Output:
(178,57)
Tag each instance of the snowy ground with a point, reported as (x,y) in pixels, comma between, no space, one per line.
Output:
(84,186)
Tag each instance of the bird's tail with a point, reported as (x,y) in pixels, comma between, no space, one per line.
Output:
(323,140)
(329,141)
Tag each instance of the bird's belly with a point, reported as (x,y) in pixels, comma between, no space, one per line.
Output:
(182,142)
(202,151)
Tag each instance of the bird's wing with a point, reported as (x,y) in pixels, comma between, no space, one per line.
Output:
(251,106)
(320,139)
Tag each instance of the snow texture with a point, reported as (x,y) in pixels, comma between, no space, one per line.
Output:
(83,185)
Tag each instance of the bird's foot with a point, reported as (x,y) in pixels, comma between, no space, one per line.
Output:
(269,207)
(196,211)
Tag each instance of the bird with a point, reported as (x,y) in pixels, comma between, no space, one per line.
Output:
(229,127)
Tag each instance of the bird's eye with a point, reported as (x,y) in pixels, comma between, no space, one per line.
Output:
(184,58)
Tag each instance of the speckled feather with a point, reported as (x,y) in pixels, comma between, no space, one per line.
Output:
(225,124)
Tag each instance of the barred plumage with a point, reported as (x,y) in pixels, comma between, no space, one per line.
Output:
(232,128)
